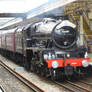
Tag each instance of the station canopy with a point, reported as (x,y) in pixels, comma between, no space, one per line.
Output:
(12,10)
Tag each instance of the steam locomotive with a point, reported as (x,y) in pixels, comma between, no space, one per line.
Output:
(49,47)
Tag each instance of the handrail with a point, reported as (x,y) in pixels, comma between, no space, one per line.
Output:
(75,21)
(72,18)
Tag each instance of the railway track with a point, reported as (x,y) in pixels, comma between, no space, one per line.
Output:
(73,87)
(80,87)
(90,84)
(28,83)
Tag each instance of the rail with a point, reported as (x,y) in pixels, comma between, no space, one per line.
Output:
(66,87)
(71,86)
(90,84)
(78,86)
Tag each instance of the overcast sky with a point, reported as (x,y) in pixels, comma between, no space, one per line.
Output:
(11,6)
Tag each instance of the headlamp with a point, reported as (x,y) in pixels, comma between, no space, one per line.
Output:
(54,64)
(85,63)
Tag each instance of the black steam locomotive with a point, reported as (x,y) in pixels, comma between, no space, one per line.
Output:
(55,48)
(49,47)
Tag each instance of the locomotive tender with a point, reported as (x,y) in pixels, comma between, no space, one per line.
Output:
(49,47)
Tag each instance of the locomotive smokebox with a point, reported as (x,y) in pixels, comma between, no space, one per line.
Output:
(64,34)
